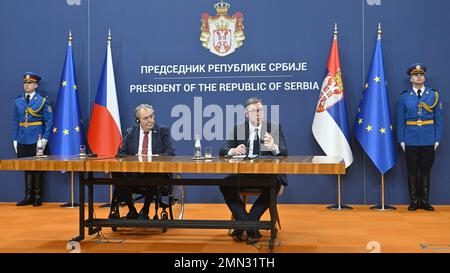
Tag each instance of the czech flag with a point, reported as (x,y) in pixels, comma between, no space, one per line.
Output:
(104,133)
(330,127)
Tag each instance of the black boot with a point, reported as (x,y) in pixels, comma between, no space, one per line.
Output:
(413,193)
(28,200)
(425,193)
(37,189)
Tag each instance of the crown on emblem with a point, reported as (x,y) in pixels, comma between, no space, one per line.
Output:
(222,7)
(222,25)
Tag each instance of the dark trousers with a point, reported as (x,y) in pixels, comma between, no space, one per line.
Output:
(125,193)
(236,206)
(419,160)
(33,179)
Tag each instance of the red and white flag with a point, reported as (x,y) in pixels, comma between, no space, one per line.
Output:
(104,133)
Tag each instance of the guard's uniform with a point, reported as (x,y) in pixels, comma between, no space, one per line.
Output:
(419,127)
(31,119)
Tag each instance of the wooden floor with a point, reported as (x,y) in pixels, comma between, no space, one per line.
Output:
(305,229)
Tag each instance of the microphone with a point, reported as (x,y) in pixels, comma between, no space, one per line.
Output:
(118,155)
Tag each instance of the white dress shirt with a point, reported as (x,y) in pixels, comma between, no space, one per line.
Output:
(31,95)
(417,90)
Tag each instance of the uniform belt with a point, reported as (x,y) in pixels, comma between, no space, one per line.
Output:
(419,122)
(34,123)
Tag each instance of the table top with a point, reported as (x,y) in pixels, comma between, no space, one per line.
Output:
(181,164)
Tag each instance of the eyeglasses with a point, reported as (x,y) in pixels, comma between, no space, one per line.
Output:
(253,111)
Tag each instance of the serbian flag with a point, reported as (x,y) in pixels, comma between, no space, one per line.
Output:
(104,133)
(330,128)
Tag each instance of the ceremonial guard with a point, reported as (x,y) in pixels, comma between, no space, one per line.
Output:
(32,120)
(419,125)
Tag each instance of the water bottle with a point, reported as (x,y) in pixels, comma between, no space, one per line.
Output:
(197,147)
(39,147)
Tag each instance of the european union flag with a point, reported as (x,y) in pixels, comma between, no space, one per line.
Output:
(373,124)
(67,133)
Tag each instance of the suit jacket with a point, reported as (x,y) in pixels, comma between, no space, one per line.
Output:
(241,135)
(161,141)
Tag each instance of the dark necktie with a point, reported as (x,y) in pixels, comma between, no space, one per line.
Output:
(145,144)
(256,143)
(28,99)
(419,91)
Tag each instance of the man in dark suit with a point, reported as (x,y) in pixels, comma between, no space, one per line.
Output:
(254,137)
(145,139)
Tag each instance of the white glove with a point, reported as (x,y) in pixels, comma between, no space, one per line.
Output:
(44,143)
(15,145)
(436,144)
(403,146)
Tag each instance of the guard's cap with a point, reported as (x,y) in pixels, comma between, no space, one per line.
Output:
(31,77)
(416,68)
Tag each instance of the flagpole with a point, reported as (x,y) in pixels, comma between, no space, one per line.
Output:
(339,205)
(72,204)
(383,206)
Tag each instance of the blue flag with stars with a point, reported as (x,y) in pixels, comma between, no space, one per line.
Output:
(373,124)
(67,133)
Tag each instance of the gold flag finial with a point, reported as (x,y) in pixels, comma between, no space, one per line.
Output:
(379,31)
(70,37)
(335,30)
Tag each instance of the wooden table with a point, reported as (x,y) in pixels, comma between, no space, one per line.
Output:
(177,164)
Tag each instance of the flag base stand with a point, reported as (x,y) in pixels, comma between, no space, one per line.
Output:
(339,205)
(383,207)
(71,204)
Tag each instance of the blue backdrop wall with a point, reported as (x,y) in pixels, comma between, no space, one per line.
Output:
(166,32)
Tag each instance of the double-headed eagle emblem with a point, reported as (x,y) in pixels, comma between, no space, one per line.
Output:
(222,33)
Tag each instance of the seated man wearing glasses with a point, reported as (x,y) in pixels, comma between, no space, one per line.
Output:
(254,137)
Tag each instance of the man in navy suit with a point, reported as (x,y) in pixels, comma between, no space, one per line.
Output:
(145,139)
(254,137)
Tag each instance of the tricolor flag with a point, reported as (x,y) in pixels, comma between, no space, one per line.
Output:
(373,124)
(329,126)
(67,131)
(104,133)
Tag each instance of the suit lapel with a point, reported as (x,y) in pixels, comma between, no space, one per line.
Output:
(154,136)
(136,140)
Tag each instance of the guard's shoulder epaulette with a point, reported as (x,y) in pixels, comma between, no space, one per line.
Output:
(434,90)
